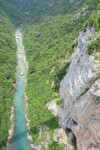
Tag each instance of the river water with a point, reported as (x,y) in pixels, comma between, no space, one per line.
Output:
(20,141)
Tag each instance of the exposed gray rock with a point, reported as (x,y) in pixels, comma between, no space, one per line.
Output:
(80,91)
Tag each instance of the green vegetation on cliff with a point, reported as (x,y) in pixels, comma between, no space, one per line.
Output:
(94,20)
(94,46)
(50,30)
(7,74)
(46,42)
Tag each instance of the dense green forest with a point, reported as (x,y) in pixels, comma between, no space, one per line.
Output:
(7,66)
(94,20)
(7,73)
(50,31)
(10,13)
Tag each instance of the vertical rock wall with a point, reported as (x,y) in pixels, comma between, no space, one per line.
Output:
(80,92)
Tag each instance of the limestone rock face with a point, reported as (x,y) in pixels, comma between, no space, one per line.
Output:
(80,92)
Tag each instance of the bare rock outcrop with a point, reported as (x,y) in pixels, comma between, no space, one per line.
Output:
(80,92)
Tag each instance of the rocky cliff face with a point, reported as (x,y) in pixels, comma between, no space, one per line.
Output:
(80,91)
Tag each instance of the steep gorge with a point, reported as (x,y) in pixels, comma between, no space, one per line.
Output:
(48,32)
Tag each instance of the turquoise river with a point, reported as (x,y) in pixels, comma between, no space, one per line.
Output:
(19,140)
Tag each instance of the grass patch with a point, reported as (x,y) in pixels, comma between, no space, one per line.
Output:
(56,146)
(35,133)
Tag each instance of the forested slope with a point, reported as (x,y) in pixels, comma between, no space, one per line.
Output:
(7,67)
(50,33)
(46,43)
